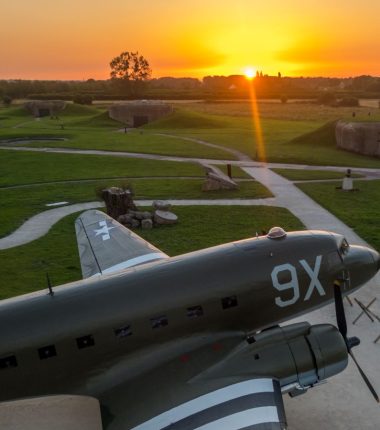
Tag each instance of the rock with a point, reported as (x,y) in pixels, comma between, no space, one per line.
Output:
(135,223)
(147,215)
(138,215)
(165,217)
(125,219)
(147,224)
(161,205)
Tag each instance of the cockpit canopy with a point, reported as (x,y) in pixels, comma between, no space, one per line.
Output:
(276,233)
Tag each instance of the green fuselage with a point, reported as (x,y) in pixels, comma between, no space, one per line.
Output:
(95,330)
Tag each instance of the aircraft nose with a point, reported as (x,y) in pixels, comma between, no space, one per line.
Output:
(362,263)
(376,257)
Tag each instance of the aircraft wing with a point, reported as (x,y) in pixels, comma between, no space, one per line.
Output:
(254,404)
(182,394)
(105,246)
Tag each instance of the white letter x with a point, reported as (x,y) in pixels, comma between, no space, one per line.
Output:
(314,281)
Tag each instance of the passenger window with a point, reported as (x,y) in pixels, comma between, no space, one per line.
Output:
(229,302)
(158,322)
(7,362)
(85,341)
(195,311)
(123,331)
(47,352)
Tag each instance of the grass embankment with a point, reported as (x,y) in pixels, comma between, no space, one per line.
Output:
(21,203)
(91,128)
(23,268)
(358,209)
(292,133)
(35,167)
(312,175)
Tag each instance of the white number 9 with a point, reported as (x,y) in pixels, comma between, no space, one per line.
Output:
(291,285)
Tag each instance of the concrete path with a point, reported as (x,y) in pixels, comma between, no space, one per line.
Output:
(39,225)
(345,403)
(239,155)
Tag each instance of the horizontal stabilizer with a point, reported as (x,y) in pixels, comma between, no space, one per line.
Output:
(105,246)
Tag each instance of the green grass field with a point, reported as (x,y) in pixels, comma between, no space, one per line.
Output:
(35,167)
(23,269)
(358,209)
(292,132)
(21,203)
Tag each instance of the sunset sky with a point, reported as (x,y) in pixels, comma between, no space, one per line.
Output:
(48,39)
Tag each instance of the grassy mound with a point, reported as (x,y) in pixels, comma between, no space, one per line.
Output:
(77,109)
(322,136)
(187,119)
(99,120)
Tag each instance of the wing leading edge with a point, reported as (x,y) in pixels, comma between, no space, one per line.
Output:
(255,404)
(105,246)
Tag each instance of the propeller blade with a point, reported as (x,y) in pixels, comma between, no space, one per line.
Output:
(366,380)
(339,310)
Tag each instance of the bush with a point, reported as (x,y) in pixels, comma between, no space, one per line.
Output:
(349,102)
(326,98)
(83,99)
(7,100)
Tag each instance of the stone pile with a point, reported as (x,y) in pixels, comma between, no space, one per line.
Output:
(120,206)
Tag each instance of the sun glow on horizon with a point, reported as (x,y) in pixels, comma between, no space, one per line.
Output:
(250,73)
(76,40)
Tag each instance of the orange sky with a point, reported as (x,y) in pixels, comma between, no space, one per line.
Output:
(48,39)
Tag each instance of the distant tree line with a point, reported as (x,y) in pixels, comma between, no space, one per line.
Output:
(210,87)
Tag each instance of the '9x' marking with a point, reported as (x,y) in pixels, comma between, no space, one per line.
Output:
(293,283)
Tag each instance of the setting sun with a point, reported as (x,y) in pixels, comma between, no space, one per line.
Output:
(250,73)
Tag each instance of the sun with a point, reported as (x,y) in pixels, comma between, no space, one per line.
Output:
(250,72)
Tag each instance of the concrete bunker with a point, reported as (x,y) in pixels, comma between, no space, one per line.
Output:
(138,113)
(359,137)
(42,108)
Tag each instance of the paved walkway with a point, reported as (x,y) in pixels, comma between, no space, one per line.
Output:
(39,225)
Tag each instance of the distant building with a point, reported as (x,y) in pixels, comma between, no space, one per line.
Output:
(136,114)
(41,108)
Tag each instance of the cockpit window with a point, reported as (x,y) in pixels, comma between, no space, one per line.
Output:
(344,247)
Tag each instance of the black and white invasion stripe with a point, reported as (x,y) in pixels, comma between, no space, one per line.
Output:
(249,405)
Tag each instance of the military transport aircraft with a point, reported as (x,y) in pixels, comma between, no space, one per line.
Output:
(189,342)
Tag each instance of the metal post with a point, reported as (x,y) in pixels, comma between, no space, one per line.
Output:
(229,171)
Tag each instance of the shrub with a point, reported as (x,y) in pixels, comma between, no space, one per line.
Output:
(7,100)
(349,102)
(83,99)
(326,98)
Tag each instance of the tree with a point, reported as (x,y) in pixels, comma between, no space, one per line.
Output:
(7,100)
(130,66)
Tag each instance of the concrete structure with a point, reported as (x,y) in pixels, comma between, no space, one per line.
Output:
(217,180)
(361,137)
(135,114)
(40,108)
(51,412)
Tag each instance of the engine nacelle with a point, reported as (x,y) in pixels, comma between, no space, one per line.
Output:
(298,355)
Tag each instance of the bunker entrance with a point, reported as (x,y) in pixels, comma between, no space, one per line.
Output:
(43,112)
(139,120)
